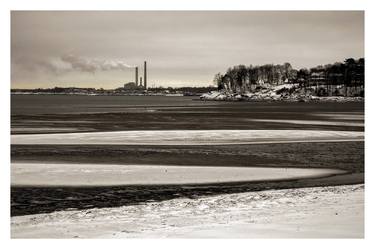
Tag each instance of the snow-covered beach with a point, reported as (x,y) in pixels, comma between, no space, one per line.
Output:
(233,171)
(319,212)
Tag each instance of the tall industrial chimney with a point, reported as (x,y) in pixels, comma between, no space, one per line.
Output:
(140,81)
(136,76)
(145,75)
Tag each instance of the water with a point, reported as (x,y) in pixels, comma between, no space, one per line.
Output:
(69,113)
(48,104)
(57,104)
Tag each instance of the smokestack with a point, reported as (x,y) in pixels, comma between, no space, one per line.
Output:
(145,75)
(140,81)
(136,76)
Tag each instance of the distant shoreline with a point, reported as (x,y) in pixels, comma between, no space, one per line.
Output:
(82,94)
(315,99)
(229,98)
(285,92)
(121,91)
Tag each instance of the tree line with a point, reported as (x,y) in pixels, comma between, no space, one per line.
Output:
(241,78)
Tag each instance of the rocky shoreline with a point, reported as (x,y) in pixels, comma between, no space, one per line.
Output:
(286,92)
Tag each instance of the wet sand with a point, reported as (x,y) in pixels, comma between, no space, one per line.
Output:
(348,156)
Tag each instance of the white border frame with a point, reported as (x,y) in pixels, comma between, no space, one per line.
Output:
(8,5)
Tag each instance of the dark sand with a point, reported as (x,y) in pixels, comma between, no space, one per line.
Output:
(347,156)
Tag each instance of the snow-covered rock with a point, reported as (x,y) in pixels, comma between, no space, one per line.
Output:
(285,92)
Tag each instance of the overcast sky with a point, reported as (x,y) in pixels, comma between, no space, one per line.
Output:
(98,49)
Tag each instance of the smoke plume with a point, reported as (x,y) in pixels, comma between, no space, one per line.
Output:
(93,65)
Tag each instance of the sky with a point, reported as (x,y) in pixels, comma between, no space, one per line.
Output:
(100,48)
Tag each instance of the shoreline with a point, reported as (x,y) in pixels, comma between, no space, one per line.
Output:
(284,92)
(144,135)
(229,98)
(334,99)
(38,200)
(267,213)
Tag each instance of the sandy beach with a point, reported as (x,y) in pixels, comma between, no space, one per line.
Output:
(269,171)
(319,212)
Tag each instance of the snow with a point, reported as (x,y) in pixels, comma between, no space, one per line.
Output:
(286,86)
(55,174)
(289,92)
(190,137)
(319,212)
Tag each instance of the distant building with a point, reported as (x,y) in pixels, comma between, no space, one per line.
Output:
(130,86)
(318,78)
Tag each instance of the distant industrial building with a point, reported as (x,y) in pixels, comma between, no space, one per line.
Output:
(136,76)
(135,85)
(131,86)
(145,75)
